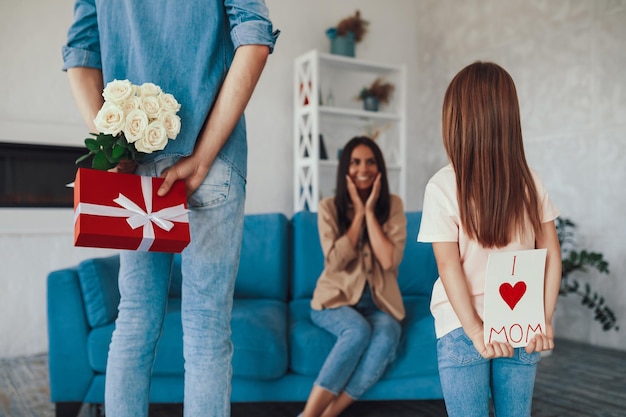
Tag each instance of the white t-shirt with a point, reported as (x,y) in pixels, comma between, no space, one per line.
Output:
(441,223)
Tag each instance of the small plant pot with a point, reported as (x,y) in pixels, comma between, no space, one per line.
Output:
(371,103)
(341,45)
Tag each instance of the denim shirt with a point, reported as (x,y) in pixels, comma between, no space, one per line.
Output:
(185,47)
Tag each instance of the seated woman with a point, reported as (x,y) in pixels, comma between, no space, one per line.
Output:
(357,297)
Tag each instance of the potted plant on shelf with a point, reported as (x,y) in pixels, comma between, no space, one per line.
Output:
(348,32)
(574,260)
(379,92)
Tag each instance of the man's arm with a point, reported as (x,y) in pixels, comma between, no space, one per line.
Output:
(86,85)
(232,100)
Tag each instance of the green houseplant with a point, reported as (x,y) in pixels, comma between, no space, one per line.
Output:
(346,34)
(574,260)
(379,92)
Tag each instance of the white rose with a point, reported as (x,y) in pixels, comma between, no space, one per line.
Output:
(118,90)
(135,126)
(171,122)
(154,139)
(150,104)
(169,103)
(148,89)
(110,119)
(130,104)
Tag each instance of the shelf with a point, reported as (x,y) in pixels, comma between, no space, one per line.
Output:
(361,114)
(354,64)
(316,72)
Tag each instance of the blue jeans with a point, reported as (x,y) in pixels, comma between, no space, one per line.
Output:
(367,339)
(468,380)
(209,268)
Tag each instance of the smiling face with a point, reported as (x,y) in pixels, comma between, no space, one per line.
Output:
(363,168)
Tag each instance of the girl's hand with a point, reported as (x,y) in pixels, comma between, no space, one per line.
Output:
(357,203)
(370,204)
(542,342)
(489,350)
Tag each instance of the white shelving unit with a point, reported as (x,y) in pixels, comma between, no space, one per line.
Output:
(327,114)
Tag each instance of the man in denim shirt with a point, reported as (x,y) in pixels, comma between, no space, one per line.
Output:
(209,55)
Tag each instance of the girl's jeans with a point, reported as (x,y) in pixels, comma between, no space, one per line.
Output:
(367,339)
(468,380)
(209,267)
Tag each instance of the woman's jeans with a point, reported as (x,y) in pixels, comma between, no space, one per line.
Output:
(209,268)
(367,339)
(468,380)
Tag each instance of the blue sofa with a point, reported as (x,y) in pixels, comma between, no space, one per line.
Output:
(278,351)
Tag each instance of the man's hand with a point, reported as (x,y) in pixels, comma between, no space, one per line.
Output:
(125,167)
(187,169)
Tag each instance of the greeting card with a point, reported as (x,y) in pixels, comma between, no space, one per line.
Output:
(514,308)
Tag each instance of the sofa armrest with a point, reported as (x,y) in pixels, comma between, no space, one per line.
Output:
(70,373)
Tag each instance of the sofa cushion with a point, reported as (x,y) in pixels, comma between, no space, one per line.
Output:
(169,358)
(417,351)
(98,283)
(416,354)
(264,263)
(418,271)
(259,335)
(308,258)
(309,344)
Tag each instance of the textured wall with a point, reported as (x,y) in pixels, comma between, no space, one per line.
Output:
(567,59)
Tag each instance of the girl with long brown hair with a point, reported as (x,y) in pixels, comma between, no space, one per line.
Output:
(486,200)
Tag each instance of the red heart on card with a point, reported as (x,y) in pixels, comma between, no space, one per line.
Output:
(511,294)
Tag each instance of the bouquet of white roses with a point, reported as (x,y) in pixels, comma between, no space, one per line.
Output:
(133,121)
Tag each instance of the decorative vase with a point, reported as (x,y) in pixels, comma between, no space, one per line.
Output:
(341,45)
(370,103)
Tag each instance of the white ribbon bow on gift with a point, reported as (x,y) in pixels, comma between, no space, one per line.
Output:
(136,217)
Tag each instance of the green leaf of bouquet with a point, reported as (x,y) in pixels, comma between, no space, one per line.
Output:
(106,141)
(82,158)
(101,162)
(92,144)
(118,152)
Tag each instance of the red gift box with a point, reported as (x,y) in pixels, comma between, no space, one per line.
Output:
(123,211)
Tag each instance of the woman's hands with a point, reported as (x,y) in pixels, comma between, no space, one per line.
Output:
(370,204)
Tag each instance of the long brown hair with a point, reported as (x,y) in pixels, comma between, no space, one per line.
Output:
(482,135)
(342,196)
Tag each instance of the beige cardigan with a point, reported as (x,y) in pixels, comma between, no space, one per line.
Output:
(346,269)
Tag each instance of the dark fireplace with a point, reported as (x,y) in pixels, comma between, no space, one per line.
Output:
(37,175)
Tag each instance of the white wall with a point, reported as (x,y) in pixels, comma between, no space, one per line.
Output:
(566,57)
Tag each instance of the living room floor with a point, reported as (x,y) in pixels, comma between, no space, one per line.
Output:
(576,380)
